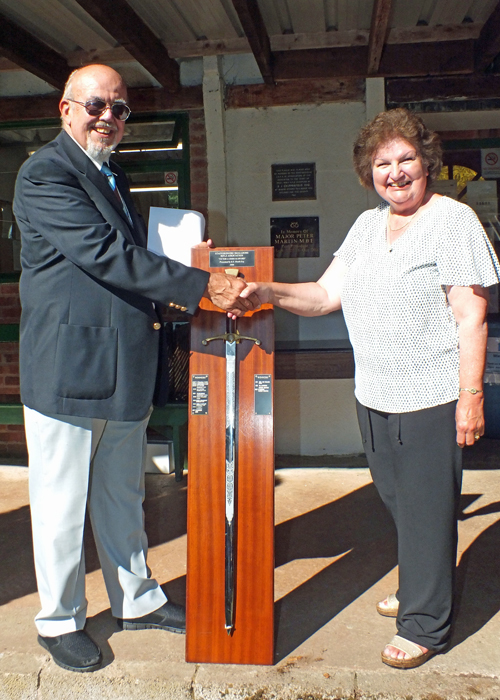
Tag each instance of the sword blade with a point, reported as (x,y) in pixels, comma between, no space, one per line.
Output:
(230,529)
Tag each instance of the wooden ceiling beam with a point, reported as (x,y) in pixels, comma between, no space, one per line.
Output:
(398,60)
(129,30)
(378,33)
(255,30)
(279,42)
(473,86)
(141,100)
(30,53)
(295,92)
(488,44)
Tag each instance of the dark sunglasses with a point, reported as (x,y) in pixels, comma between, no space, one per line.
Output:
(97,107)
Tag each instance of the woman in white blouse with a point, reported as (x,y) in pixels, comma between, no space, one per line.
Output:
(411,278)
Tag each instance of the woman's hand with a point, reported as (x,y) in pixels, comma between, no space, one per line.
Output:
(470,306)
(259,289)
(469,418)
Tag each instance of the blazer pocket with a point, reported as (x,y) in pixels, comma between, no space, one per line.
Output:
(85,363)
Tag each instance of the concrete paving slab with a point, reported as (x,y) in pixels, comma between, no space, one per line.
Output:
(335,558)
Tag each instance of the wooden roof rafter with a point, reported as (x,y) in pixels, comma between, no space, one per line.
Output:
(129,30)
(398,60)
(378,33)
(141,101)
(488,44)
(33,55)
(253,25)
(442,88)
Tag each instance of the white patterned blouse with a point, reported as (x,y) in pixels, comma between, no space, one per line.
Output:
(401,326)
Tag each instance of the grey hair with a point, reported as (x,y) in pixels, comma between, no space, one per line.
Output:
(68,88)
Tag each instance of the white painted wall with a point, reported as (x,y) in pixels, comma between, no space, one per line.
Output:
(313,417)
(323,134)
(316,417)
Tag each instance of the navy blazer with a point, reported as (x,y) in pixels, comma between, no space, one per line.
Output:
(88,342)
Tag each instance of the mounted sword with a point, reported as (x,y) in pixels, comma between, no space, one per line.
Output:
(231,339)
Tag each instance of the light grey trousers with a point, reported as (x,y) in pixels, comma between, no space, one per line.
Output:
(416,467)
(75,463)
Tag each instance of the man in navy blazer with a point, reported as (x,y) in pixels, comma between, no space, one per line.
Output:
(90,366)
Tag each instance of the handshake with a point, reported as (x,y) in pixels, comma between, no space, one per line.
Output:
(224,291)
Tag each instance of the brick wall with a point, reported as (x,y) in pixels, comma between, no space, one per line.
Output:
(12,440)
(10,310)
(9,371)
(198,162)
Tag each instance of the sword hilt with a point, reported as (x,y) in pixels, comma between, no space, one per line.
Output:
(231,338)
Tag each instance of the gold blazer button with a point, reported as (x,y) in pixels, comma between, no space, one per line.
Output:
(157,326)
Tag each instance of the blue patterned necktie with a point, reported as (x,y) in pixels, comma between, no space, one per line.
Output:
(112,183)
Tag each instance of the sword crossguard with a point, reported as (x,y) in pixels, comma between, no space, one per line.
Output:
(231,338)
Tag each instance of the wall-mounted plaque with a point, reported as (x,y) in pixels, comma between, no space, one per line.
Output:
(296,237)
(199,400)
(263,396)
(232,258)
(293,181)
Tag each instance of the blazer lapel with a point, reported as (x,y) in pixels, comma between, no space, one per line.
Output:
(85,166)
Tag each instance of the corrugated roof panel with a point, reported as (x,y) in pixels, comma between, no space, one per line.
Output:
(307,17)
(449,12)
(233,16)
(428,7)
(348,14)
(406,14)
(207,18)
(284,15)
(480,10)
(164,19)
(270,16)
(58,24)
(331,14)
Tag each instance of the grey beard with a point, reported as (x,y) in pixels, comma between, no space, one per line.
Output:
(99,153)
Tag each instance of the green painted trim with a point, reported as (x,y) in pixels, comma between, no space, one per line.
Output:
(163,162)
(171,414)
(9,277)
(470,144)
(11,414)
(30,124)
(9,332)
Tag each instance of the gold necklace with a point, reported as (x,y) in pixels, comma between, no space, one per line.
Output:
(400,227)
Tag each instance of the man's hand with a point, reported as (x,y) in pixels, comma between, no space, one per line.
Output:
(205,244)
(224,291)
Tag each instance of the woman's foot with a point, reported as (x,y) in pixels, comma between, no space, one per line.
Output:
(401,653)
(388,607)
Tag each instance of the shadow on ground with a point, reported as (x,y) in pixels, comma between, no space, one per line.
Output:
(356,528)
(165,519)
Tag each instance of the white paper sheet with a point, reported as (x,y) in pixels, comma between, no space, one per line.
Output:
(173,232)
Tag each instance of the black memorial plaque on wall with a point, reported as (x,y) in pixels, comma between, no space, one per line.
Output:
(296,237)
(293,181)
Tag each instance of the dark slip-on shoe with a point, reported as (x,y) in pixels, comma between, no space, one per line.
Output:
(170,617)
(74,651)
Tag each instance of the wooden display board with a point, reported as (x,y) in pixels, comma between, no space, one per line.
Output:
(207,639)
